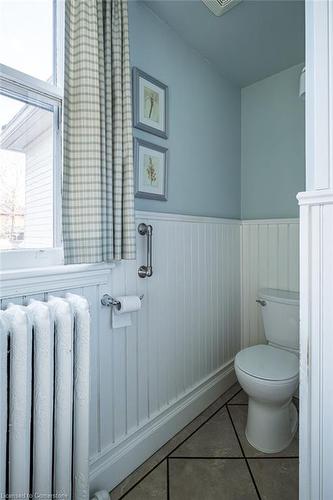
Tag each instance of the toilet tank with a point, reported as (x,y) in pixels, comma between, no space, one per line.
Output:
(280,313)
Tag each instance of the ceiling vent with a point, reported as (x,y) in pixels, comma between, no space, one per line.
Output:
(219,7)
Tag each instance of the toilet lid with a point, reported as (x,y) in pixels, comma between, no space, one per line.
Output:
(268,363)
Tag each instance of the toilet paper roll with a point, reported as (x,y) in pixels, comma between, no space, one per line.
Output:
(128,303)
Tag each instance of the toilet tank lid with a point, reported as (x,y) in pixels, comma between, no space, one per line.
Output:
(283,296)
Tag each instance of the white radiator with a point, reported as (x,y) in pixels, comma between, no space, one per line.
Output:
(44,399)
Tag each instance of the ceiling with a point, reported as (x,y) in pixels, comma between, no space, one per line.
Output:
(255,39)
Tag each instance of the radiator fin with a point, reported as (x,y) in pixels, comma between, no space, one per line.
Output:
(3,400)
(42,397)
(63,395)
(20,401)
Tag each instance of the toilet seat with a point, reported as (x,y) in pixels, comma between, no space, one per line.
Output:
(269,363)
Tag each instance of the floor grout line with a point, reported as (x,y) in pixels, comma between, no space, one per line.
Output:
(203,423)
(140,480)
(292,457)
(246,461)
(237,404)
(182,442)
(232,458)
(207,458)
(168,480)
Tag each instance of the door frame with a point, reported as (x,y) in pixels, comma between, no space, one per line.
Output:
(316,261)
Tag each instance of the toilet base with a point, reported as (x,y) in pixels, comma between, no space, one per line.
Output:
(271,428)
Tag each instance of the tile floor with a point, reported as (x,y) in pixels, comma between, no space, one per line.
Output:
(211,459)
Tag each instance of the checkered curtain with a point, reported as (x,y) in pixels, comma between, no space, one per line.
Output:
(98,186)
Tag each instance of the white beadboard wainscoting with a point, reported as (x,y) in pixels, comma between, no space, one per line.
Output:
(176,358)
(269,259)
(149,380)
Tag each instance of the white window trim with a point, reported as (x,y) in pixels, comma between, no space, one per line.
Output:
(16,84)
(29,257)
(51,279)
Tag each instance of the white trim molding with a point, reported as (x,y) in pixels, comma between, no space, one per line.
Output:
(258,222)
(316,342)
(316,261)
(51,279)
(319,105)
(29,258)
(195,219)
(322,197)
(139,446)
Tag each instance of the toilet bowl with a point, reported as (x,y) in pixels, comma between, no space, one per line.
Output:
(269,374)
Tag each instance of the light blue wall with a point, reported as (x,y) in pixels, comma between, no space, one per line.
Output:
(204,131)
(273,146)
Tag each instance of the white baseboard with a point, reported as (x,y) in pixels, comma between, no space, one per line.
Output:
(113,464)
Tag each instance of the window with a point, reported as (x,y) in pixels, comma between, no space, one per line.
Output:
(26,175)
(26,37)
(31,36)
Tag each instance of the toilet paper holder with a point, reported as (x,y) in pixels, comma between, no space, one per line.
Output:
(109,301)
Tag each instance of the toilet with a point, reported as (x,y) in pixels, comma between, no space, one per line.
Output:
(269,374)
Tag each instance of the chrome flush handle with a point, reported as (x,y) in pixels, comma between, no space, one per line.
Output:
(261,302)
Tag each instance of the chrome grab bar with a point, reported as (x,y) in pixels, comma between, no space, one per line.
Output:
(147,270)
(261,302)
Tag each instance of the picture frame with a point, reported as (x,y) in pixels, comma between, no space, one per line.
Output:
(151,170)
(150,104)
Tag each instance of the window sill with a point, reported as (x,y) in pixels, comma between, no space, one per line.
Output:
(14,283)
(30,258)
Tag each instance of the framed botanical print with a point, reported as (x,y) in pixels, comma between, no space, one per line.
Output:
(151,169)
(150,104)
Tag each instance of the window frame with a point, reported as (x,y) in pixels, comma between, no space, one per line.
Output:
(48,96)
